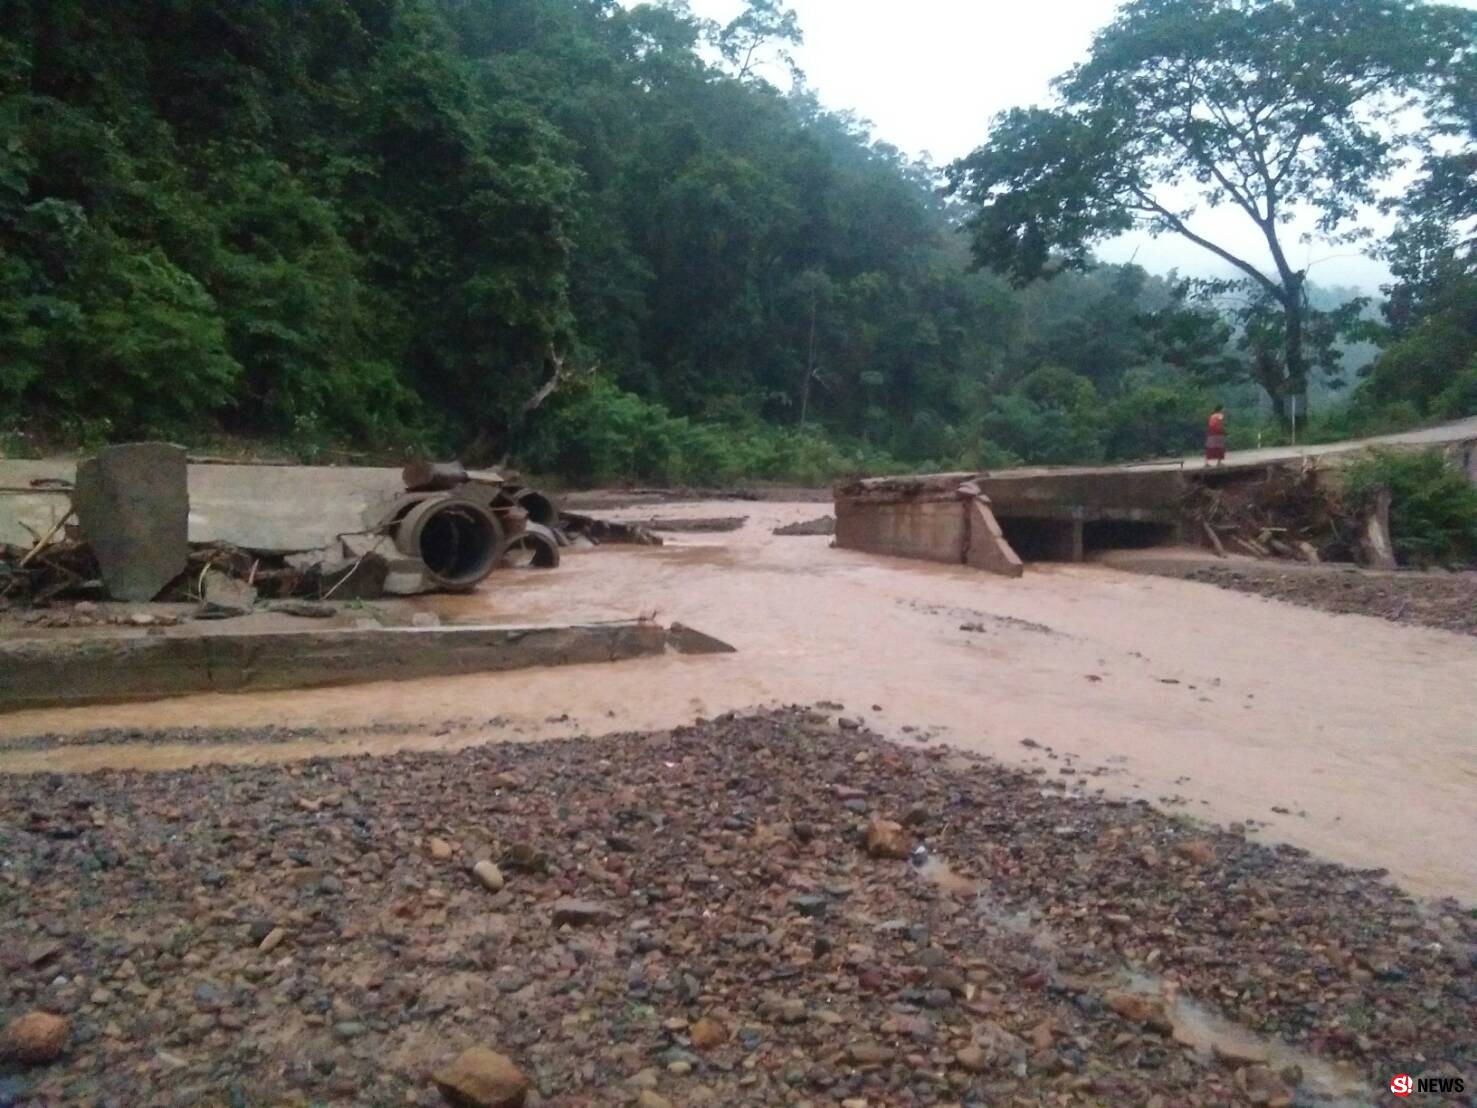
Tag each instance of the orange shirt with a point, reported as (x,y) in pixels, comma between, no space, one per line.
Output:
(1217,425)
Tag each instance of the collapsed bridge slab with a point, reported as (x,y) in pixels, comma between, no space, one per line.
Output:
(994,521)
(69,671)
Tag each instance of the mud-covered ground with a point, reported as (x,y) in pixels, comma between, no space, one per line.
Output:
(1444,600)
(732,942)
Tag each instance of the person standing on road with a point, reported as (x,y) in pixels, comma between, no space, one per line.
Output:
(1215,436)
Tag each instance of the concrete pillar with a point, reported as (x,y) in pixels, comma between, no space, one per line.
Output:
(133,504)
(987,548)
(1076,551)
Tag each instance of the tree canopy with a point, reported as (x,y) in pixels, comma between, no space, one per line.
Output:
(1278,109)
(618,241)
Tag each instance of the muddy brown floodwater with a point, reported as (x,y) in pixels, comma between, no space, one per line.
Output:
(1342,734)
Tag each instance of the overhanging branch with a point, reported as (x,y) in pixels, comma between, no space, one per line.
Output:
(1148,204)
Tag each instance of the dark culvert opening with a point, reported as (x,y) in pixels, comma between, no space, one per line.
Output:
(1125,534)
(1054,540)
(1040,540)
(458,544)
(540,508)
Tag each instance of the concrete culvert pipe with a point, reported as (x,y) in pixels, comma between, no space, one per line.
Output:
(534,546)
(540,508)
(460,541)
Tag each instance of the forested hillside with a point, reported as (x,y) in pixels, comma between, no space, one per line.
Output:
(600,241)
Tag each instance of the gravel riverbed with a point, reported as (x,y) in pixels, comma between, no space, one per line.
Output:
(1447,601)
(756,910)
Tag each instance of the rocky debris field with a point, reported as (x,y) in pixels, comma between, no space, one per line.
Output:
(779,909)
(1443,600)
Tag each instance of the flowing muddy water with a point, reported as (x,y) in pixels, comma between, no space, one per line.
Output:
(1340,734)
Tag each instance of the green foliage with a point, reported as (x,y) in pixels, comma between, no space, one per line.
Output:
(1260,106)
(121,338)
(1433,509)
(286,219)
(1153,420)
(1428,368)
(389,223)
(1459,397)
(762,25)
(1054,417)
(600,434)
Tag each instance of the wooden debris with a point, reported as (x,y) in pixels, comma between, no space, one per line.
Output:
(361,566)
(600,531)
(715,525)
(1215,540)
(445,476)
(1374,534)
(825,525)
(46,538)
(1277,511)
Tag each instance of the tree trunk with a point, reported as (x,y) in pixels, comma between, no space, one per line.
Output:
(1295,391)
(809,365)
(497,437)
(1270,373)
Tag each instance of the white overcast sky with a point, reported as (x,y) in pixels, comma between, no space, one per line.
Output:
(929,75)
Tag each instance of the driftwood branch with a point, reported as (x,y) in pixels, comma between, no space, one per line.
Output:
(492,441)
(46,538)
(547,389)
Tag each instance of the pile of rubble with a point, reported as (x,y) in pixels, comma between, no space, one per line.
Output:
(1286,512)
(125,536)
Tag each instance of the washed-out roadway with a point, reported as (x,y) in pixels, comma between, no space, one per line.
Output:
(1345,735)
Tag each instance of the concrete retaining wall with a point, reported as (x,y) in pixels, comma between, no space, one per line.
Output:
(934,519)
(928,529)
(38,673)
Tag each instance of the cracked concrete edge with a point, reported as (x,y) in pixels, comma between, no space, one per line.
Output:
(73,672)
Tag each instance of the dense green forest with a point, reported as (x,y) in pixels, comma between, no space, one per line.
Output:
(601,241)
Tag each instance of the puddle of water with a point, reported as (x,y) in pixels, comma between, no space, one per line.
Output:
(1200,1029)
(936,871)
(1194,1025)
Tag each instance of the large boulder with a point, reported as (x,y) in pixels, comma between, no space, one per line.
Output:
(482,1078)
(34,1039)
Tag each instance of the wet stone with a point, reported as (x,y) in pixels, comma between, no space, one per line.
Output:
(809,905)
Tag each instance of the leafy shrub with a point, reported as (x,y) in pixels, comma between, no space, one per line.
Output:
(599,434)
(1433,508)
(1459,398)
(1156,421)
(1053,417)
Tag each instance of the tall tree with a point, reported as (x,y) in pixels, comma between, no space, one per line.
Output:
(1446,195)
(763,26)
(1279,109)
(1429,367)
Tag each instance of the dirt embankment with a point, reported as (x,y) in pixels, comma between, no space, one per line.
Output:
(313,933)
(1443,600)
